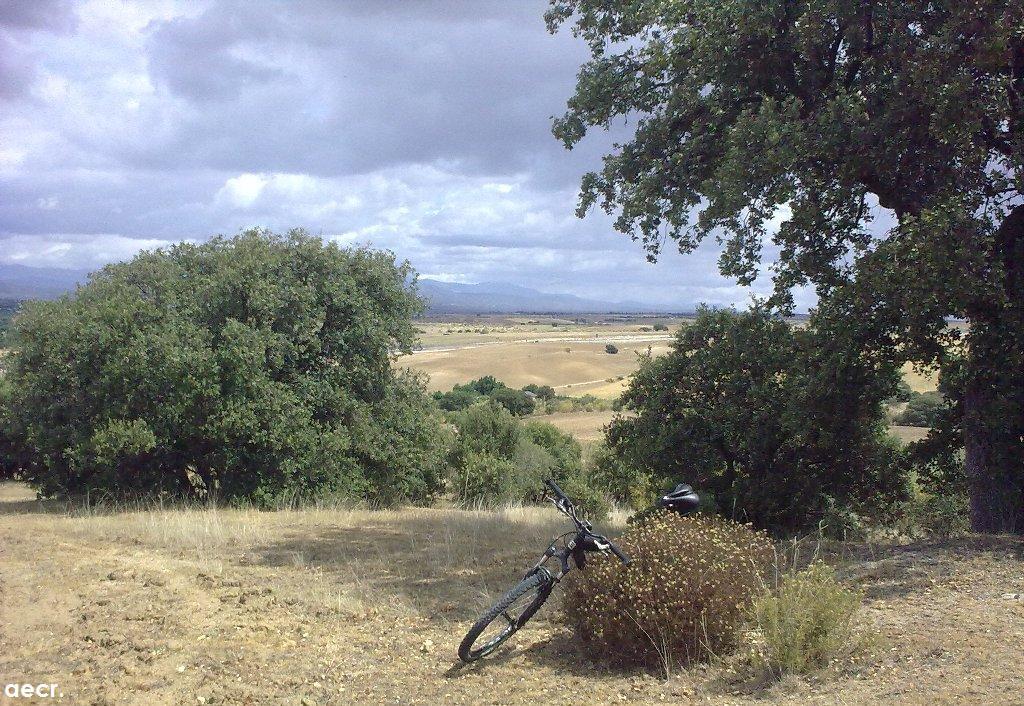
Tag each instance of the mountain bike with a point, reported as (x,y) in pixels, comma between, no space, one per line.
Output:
(520,604)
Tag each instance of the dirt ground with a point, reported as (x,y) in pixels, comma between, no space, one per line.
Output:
(336,606)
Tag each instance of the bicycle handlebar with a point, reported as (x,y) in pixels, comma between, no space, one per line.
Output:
(560,494)
(556,490)
(626,561)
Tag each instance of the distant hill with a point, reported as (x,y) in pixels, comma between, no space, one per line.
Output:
(21,282)
(505,298)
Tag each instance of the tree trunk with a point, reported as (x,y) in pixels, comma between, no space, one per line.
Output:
(993,402)
(982,486)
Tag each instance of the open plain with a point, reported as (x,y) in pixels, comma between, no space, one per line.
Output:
(346,606)
(569,355)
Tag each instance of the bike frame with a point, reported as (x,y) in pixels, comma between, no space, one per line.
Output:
(585,540)
(539,579)
(563,555)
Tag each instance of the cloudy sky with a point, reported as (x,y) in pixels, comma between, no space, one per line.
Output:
(422,127)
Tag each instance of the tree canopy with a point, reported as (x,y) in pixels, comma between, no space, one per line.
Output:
(786,125)
(256,367)
(772,424)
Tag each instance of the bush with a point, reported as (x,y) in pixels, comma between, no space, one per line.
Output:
(590,502)
(249,368)
(942,515)
(923,410)
(806,623)
(515,401)
(683,597)
(496,460)
(483,480)
(624,484)
(660,327)
(563,447)
(486,428)
(8,309)
(459,398)
(903,393)
(747,409)
(609,348)
(543,392)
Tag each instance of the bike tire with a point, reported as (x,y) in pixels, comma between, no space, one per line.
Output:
(541,583)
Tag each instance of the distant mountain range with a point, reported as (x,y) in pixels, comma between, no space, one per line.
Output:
(21,282)
(505,298)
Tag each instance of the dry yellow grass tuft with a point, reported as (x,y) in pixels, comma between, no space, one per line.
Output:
(805,623)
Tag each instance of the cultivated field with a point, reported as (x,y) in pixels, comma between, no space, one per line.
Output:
(336,606)
(567,354)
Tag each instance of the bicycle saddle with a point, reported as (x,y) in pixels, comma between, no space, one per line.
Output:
(681,500)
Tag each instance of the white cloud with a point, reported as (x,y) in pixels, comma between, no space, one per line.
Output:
(419,127)
(242,191)
(73,251)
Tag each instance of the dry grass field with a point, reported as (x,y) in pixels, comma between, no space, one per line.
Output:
(585,426)
(921,379)
(568,356)
(336,606)
(573,367)
(456,331)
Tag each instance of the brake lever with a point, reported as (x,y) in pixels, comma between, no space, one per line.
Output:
(561,505)
(606,545)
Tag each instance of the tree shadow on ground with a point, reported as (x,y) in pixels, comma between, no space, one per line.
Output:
(446,566)
(19,499)
(888,571)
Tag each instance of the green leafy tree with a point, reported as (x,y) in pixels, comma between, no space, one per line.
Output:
(809,115)
(543,392)
(923,410)
(256,367)
(459,398)
(486,385)
(748,410)
(515,401)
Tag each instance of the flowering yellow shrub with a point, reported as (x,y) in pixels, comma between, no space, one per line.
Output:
(682,598)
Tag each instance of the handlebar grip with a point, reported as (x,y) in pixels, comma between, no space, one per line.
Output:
(558,491)
(626,561)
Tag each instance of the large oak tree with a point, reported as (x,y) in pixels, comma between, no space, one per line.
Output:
(816,114)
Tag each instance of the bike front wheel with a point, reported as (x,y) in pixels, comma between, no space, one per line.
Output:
(506,616)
